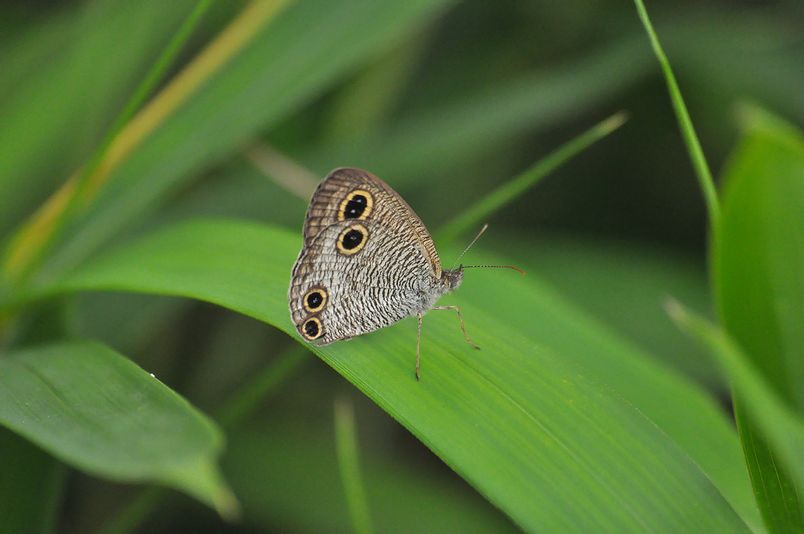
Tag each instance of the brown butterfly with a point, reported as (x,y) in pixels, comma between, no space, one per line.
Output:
(367,262)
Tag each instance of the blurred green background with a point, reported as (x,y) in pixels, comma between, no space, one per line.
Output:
(445,108)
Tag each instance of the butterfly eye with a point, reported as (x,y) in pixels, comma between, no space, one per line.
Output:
(352,239)
(315,299)
(311,329)
(356,205)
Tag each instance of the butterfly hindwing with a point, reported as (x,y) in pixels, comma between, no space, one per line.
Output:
(354,277)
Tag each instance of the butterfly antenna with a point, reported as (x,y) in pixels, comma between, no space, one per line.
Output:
(514,267)
(480,233)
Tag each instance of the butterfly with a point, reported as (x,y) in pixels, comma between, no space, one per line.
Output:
(367,262)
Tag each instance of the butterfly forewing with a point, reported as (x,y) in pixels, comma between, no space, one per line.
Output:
(354,194)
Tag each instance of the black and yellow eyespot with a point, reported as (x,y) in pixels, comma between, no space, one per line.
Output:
(352,239)
(315,299)
(357,205)
(311,329)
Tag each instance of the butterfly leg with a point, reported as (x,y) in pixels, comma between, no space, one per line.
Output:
(418,343)
(460,318)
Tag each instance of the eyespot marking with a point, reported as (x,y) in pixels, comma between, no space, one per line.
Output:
(352,239)
(311,329)
(357,205)
(315,299)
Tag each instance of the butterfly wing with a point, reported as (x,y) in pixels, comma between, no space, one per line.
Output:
(356,276)
(367,261)
(354,194)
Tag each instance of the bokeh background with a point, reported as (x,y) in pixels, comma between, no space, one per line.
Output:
(445,110)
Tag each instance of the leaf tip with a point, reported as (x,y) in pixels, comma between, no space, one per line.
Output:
(227,506)
(674,309)
(615,121)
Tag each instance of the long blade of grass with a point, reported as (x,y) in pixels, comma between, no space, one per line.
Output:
(684,122)
(779,423)
(758,273)
(514,188)
(349,466)
(64,78)
(20,267)
(270,77)
(26,246)
(521,423)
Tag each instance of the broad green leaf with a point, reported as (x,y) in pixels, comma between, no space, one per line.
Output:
(531,418)
(96,410)
(31,484)
(622,284)
(759,274)
(275,73)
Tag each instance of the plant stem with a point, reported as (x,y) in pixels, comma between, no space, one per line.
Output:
(684,122)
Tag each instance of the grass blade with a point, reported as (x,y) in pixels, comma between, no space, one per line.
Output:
(758,278)
(349,466)
(532,405)
(511,190)
(26,248)
(684,122)
(780,424)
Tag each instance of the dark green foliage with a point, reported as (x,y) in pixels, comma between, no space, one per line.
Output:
(585,410)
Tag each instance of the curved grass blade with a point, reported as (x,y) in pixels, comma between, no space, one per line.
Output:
(237,96)
(26,248)
(527,419)
(783,427)
(511,190)
(95,410)
(684,122)
(758,274)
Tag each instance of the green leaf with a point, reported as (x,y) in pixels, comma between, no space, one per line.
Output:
(622,284)
(55,112)
(783,428)
(30,486)
(99,412)
(759,273)
(552,403)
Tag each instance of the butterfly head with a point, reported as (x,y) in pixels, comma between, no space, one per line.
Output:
(452,278)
